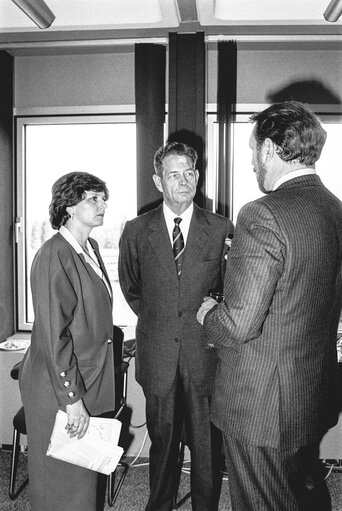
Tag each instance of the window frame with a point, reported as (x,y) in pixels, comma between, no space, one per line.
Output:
(242,113)
(327,114)
(21,122)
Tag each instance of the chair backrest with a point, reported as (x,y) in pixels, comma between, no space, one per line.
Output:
(118,338)
(118,342)
(15,371)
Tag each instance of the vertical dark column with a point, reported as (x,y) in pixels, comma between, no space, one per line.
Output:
(6,197)
(226,101)
(186,105)
(150,67)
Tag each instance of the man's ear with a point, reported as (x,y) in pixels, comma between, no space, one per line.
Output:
(269,148)
(157,182)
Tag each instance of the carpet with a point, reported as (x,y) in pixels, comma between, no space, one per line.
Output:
(134,492)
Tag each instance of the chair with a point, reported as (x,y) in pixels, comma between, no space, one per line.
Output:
(124,352)
(19,428)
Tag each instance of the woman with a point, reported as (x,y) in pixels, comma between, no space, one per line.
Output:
(69,365)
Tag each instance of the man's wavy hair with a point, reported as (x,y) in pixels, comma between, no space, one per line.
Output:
(294,128)
(69,190)
(177,148)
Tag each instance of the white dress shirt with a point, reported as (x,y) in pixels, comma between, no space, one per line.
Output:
(90,257)
(292,175)
(184,225)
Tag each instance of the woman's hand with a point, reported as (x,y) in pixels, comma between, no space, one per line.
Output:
(78,419)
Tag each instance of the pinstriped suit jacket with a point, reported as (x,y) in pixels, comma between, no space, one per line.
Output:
(277,381)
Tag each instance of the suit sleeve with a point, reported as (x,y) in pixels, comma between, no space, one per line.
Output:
(254,266)
(55,300)
(229,234)
(129,273)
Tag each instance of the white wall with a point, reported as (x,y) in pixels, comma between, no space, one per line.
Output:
(108,79)
(262,72)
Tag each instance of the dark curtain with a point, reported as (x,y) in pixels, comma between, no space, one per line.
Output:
(186,105)
(6,197)
(150,66)
(226,103)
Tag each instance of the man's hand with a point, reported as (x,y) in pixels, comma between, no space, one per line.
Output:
(207,305)
(228,243)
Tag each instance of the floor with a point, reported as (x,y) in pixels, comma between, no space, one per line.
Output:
(134,492)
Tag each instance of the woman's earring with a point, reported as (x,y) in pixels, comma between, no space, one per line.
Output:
(71,214)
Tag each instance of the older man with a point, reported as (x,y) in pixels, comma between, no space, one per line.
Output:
(276,385)
(169,258)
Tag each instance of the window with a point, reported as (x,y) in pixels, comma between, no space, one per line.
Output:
(243,183)
(49,147)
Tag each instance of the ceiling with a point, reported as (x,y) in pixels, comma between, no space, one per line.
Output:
(103,23)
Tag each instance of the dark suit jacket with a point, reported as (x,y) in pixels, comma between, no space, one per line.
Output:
(276,382)
(72,326)
(166,306)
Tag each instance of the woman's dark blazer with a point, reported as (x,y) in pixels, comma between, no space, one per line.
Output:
(71,352)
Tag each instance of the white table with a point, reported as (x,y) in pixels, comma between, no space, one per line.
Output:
(10,400)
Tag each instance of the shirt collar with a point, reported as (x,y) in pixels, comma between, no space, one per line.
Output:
(70,238)
(186,219)
(170,215)
(292,175)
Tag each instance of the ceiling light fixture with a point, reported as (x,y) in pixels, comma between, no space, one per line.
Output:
(38,11)
(333,11)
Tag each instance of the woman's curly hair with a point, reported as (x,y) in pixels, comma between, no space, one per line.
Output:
(69,190)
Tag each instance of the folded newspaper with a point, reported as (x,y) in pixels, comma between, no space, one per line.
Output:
(98,450)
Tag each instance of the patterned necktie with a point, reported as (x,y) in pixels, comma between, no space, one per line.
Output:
(178,245)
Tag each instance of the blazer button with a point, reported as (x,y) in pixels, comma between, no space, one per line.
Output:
(67,383)
(62,374)
(109,341)
(71,394)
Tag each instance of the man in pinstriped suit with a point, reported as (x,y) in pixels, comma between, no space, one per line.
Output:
(276,387)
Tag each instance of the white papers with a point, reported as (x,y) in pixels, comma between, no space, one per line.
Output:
(98,450)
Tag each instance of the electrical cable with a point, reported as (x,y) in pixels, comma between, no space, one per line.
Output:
(137,427)
(186,470)
(330,470)
(140,450)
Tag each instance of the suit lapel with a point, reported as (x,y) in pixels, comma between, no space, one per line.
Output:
(160,242)
(197,239)
(103,268)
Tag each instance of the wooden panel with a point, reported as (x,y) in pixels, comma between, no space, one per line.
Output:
(150,64)
(187,96)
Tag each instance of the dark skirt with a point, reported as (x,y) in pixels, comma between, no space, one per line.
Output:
(53,484)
